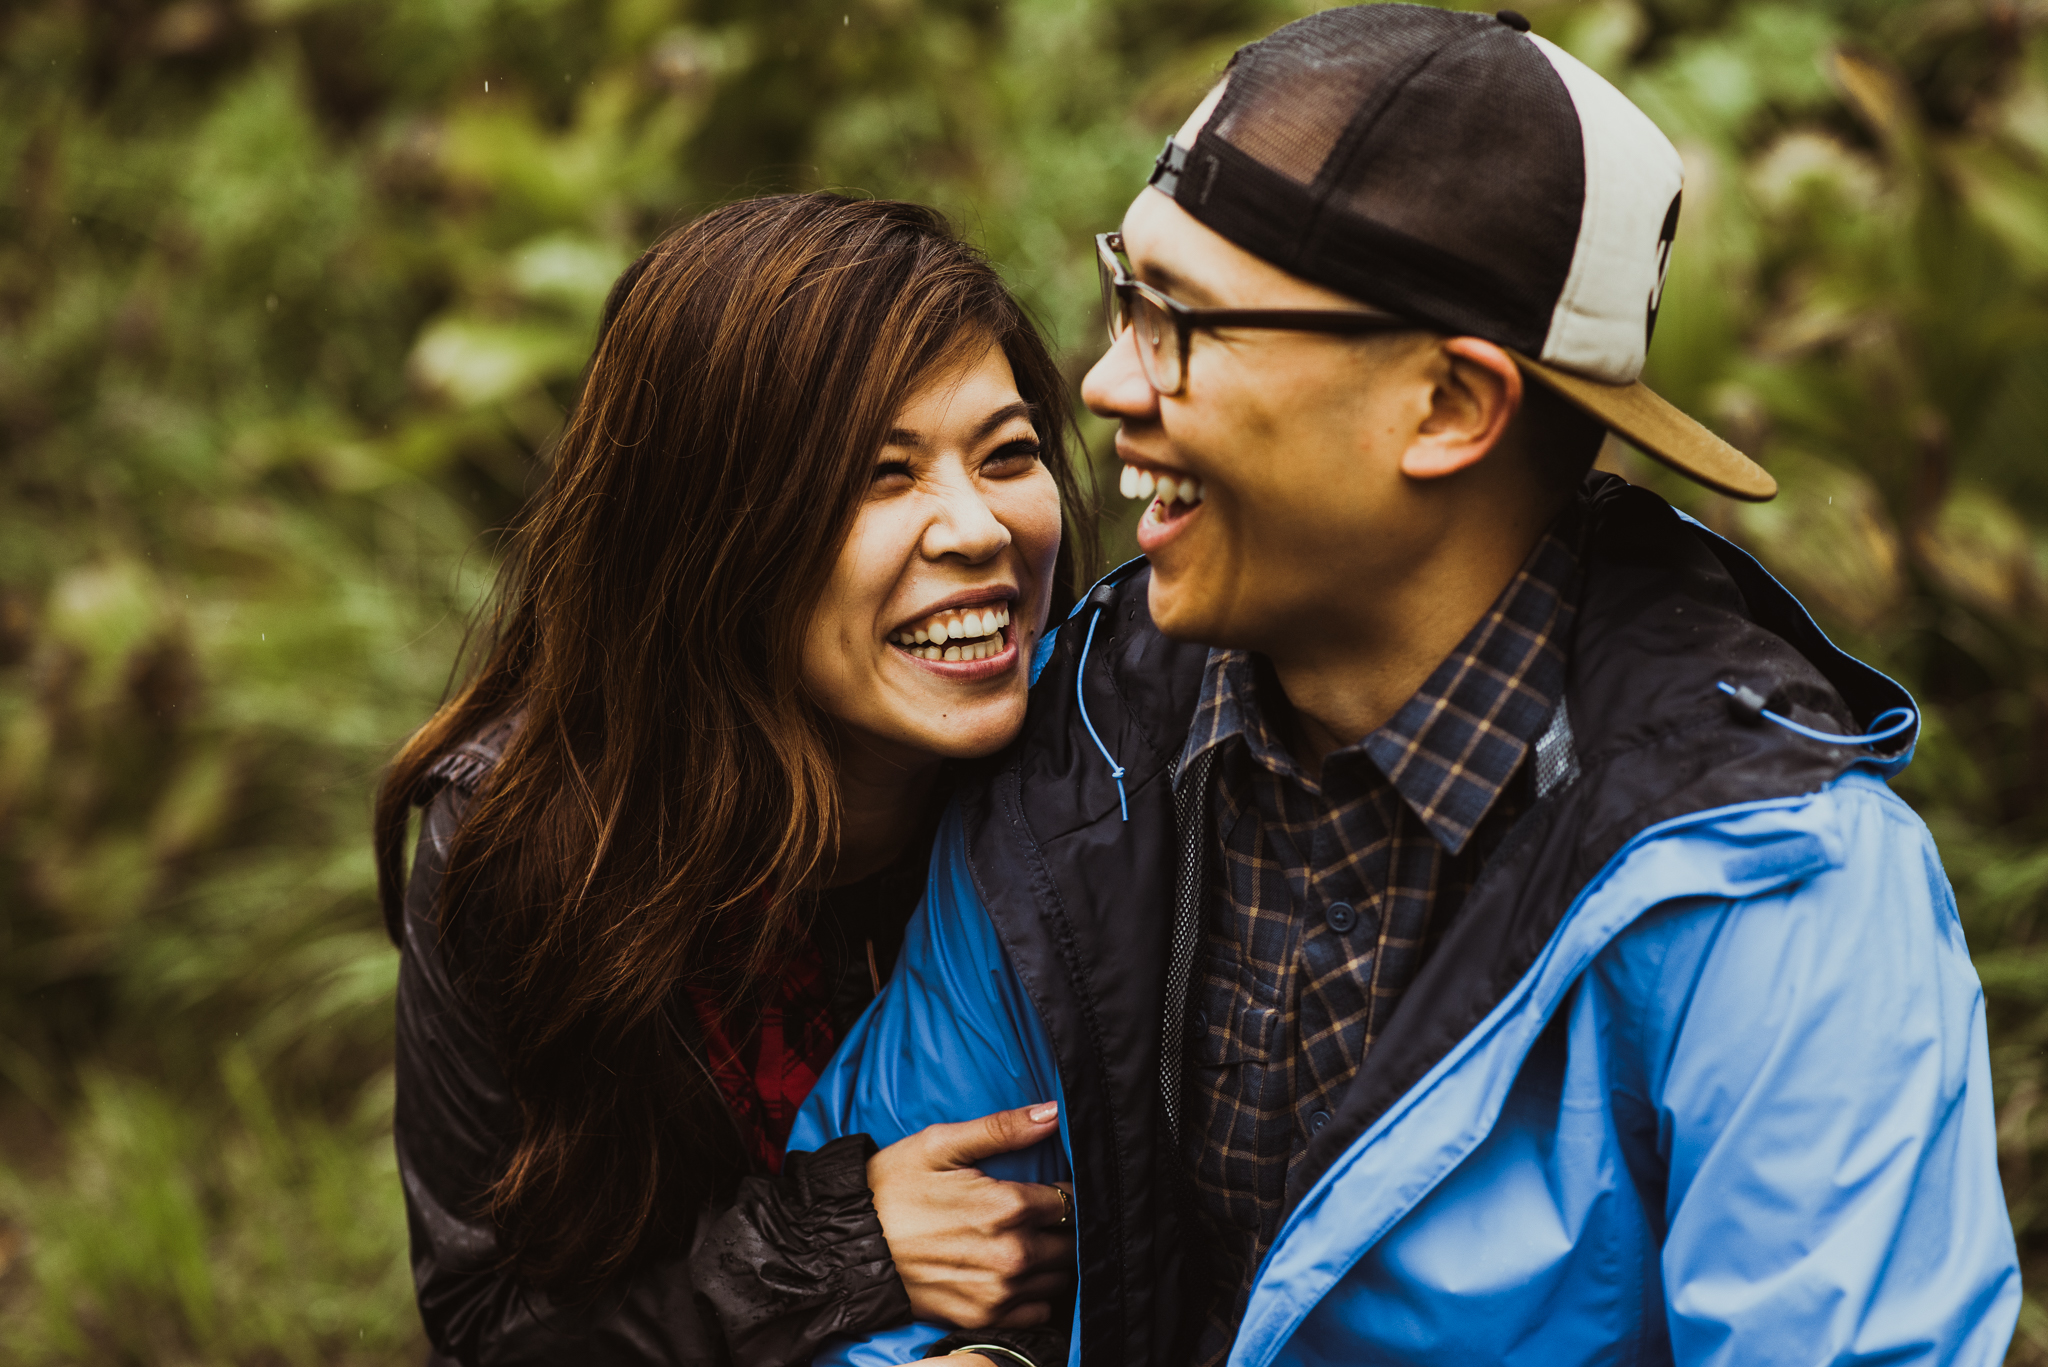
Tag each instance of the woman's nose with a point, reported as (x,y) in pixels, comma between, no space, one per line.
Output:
(966,526)
(1116,387)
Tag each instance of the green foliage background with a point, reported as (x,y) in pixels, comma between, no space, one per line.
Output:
(292,290)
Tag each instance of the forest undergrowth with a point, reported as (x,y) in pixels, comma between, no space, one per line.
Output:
(292,293)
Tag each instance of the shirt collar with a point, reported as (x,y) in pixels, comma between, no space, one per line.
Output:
(1452,748)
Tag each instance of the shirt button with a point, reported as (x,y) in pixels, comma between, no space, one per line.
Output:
(1341,917)
(1317,1121)
(1202,1019)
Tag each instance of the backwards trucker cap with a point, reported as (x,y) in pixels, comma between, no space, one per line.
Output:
(1458,170)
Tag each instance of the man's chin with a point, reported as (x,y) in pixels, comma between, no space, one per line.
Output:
(1183,611)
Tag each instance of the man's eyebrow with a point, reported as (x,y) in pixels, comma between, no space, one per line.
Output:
(1167,280)
(903,436)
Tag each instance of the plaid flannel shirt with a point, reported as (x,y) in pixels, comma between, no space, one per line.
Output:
(1329,895)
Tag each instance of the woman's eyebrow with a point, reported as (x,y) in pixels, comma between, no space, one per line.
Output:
(903,436)
(1020,409)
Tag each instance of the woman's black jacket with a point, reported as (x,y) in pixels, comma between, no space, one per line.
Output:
(789,1261)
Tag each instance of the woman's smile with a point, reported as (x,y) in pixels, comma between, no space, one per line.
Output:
(979,634)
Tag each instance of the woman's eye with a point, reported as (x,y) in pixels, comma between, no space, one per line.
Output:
(1012,457)
(889,469)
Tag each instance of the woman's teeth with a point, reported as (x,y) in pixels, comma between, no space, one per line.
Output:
(975,634)
(1137,483)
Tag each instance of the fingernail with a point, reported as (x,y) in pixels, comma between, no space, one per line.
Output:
(1049,1111)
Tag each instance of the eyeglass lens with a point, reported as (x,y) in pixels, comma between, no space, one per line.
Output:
(1157,337)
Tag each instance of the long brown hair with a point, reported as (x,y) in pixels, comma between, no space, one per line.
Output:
(670,787)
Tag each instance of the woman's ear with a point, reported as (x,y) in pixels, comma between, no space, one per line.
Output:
(1477,392)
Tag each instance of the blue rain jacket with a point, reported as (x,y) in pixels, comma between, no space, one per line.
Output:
(1735,1108)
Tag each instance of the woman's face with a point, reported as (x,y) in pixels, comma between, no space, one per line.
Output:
(921,645)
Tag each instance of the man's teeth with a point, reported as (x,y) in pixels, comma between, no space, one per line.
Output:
(1137,483)
(970,635)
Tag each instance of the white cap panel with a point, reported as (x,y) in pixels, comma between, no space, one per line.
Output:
(1601,327)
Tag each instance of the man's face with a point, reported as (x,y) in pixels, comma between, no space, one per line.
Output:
(1295,438)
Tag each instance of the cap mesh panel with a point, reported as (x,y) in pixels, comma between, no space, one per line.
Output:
(1286,107)
(1433,161)
(1448,142)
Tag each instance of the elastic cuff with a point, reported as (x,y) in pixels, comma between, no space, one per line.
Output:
(834,1171)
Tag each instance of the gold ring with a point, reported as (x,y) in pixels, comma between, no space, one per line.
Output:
(1066,1219)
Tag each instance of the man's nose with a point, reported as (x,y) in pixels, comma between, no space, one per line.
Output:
(1116,386)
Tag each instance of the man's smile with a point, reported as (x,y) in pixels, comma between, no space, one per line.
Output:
(1175,499)
(1140,481)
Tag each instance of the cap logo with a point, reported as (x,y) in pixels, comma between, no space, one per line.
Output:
(1664,241)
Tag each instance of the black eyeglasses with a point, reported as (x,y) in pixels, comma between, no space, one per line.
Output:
(1164,324)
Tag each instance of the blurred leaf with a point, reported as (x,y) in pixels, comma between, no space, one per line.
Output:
(1982,554)
(1603,34)
(2011,199)
(107,613)
(1879,98)
(1832,539)
(475,363)
(562,268)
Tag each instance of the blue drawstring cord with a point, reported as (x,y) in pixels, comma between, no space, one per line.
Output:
(1116,771)
(1752,704)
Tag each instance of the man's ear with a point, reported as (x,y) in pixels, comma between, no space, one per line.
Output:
(1477,393)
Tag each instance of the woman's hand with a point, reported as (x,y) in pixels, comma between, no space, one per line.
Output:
(974,1251)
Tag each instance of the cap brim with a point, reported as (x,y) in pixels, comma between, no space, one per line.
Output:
(1655,427)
